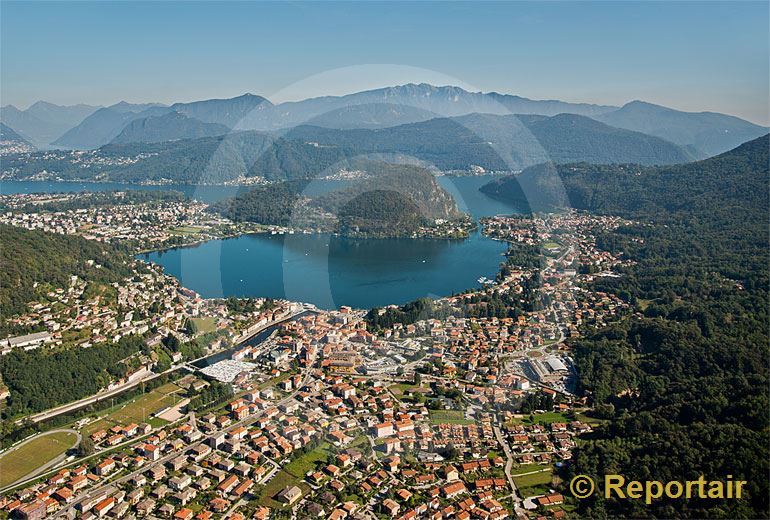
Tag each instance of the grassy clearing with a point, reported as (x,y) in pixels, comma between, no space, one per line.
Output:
(300,466)
(281,480)
(95,426)
(448,417)
(141,408)
(137,410)
(593,421)
(542,418)
(26,459)
(205,325)
(534,484)
(529,468)
(643,304)
(186,230)
(404,388)
(360,442)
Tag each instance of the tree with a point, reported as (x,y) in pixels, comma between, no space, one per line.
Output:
(191,327)
(172,343)
(86,447)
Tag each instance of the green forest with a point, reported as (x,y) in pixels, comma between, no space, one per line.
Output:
(392,200)
(33,261)
(39,380)
(684,383)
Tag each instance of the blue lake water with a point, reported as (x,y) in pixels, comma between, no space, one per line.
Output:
(325,270)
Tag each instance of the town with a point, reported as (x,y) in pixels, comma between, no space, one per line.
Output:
(327,415)
(158,223)
(308,431)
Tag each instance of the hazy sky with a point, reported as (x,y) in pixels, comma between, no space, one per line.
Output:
(691,56)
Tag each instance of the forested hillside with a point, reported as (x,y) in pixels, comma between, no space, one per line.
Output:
(271,205)
(502,142)
(167,127)
(39,380)
(493,142)
(31,262)
(391,200)
(685,383)
(414,182)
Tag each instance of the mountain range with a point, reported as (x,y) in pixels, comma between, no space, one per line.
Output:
(500,142)
(42,123)
(446,127)
(107,124)
(472,142)
(704,134)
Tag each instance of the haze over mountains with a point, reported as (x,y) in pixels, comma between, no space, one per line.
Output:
(446,127)
(11,142)
(501,142)
(43,122)
(705,134)
(167,127)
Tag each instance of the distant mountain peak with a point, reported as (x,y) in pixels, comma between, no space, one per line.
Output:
(41,103)
(168,127)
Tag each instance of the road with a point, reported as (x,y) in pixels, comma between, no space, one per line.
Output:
(101,396)
(508,465)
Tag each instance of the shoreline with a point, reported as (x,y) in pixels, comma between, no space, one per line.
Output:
(450,174)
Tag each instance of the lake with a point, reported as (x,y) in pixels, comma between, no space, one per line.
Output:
(325,270)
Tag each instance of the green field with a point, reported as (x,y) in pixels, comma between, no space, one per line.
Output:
(534,484)
(402,388)
(448,416)
(26,459)
(543,418)
(279,481)
(137,410)
(141,408)
(528,468)
(307,462)
(205,325)
(593,421)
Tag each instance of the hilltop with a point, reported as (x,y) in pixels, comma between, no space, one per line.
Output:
(388,200)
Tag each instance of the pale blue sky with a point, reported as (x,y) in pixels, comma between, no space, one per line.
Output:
(691,56)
